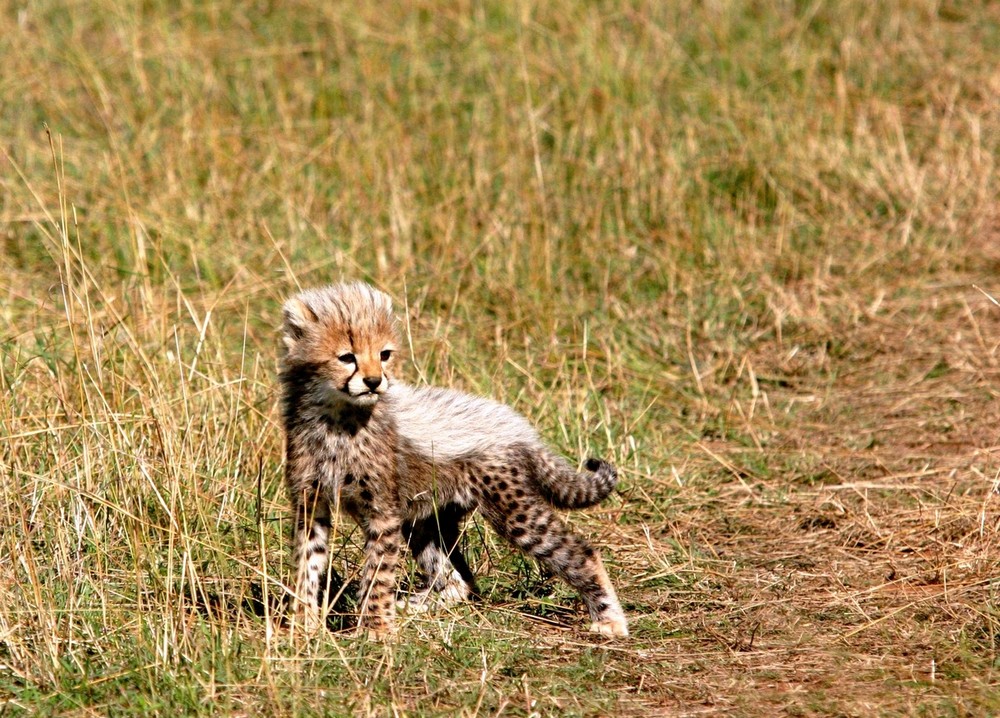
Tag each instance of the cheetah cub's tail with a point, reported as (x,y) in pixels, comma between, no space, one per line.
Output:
(564,488)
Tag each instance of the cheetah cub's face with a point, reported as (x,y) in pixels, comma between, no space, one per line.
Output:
(341,342)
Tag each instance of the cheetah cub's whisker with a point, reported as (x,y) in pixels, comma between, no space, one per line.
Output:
(409,463)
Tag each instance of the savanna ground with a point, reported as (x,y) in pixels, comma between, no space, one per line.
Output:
(745,250)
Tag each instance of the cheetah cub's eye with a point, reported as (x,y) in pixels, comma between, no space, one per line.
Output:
(386,354)
(347,358)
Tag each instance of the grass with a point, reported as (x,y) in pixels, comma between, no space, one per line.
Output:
(747,251)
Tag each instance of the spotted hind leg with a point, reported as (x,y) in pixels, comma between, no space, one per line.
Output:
(434,543)
(534,528)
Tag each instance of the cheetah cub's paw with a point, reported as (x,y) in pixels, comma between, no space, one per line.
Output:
(455,590)
(378,634)
(308,620)
(612,627)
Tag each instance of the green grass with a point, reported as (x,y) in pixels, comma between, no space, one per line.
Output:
(747,251)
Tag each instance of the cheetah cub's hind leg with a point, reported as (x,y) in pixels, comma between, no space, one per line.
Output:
(574,560)
(446,574)
(522,516)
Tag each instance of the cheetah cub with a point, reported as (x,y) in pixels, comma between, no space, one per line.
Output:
(409,463)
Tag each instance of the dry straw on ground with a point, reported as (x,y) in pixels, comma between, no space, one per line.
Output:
(749,252)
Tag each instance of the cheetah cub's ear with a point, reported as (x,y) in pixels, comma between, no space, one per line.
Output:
(298,316)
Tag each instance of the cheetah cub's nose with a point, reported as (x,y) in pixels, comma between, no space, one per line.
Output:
(372,382)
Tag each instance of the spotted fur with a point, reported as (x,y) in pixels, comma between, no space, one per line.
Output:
(409,463)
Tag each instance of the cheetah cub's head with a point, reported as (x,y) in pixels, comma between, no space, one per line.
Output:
(342,340)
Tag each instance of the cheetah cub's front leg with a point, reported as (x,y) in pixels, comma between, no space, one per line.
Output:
(383,539)
(311,534)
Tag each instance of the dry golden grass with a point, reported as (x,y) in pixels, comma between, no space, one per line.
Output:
(748,252)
